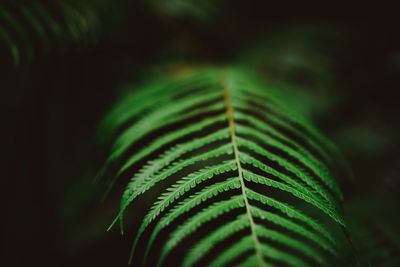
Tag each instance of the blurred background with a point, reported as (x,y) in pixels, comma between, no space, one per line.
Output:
(63,64)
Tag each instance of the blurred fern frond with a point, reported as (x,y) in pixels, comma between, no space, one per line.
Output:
(32,27)
(233,166)
(203,11)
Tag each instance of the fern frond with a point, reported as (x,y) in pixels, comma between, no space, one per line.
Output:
(251,177)
(291,226)
(159,92)
(258,125)
(178,151)
(140,186)
(170,113)
(285,126)
(11,44)
(195,222)
(181,187)
(248,159)
(239,248)
(290,212)
(278,255)
(308,162)
(228,149)
(206,244)
(252,261)
(296,171)
(168,138)
(188,204)
(292,243)
(269,252)
(38,26)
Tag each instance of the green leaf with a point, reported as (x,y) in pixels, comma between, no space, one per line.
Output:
(214,164)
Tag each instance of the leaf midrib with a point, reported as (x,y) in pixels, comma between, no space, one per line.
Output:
(229,112)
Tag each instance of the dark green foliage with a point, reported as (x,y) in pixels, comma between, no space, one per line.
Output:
(62,65)
(31,27)
(213,133)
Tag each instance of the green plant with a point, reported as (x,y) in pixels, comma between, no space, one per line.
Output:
(229,158)
(29,28)
(220,166)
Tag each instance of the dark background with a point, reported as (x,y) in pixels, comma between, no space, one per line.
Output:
(53,104)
